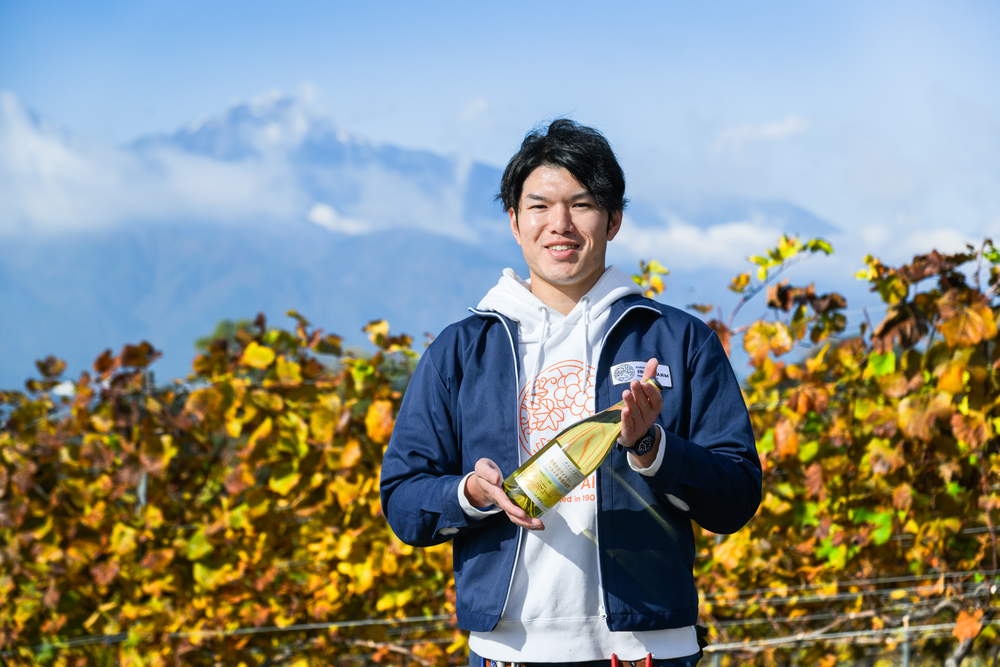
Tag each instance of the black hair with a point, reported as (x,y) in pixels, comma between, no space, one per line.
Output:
(582,151)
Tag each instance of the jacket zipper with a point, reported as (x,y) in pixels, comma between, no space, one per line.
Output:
(517,385)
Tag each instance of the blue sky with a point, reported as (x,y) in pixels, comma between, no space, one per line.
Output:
(882,117)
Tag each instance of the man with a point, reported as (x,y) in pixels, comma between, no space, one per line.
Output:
(607,574)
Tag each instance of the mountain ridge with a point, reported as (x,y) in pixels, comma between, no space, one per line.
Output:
(268,207)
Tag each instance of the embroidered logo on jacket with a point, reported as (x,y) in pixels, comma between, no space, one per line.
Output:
(632,370)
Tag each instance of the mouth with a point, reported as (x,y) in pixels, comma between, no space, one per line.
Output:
(562,246)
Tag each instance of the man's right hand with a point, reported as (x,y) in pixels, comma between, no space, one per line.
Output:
(485,487)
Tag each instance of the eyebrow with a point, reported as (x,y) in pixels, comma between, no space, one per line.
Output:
(534,196)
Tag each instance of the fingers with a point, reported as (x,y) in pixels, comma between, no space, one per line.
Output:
(650,371)
(489,472)
(643,402)
(489,479)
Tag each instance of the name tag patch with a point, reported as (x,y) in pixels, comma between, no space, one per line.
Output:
(632,370)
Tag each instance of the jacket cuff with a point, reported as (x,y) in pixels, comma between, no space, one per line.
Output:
(654,467)
(467,507)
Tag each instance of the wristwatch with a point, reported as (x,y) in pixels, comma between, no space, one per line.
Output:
(646,442)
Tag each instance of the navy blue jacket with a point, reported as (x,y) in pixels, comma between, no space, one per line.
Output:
(461,406)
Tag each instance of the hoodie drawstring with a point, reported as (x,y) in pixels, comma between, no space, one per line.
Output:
(585,316)
(533,378)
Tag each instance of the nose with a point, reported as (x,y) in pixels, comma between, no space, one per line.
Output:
(560,218)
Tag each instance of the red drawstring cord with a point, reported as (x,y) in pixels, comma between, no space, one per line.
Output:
(649,660)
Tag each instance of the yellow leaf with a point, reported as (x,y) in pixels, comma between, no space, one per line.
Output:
(968,324)
(951,377)
(283,482)
(350,454)
(262,432)
(101,423)
(376,329)
(122,539)
(322,424)
(763,337)
(198,546)
(379,421)
(257,356)
(211,577)
(289,372)
(205,402)
(740,283)
(267,400)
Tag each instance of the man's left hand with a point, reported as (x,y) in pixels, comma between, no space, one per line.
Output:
(642,404)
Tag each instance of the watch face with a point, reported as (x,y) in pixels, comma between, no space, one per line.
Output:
(644,445)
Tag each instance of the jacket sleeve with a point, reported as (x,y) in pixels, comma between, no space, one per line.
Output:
(715,477)
(422,467)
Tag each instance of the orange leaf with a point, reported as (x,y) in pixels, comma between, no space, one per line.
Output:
(968,625)
(814,481)
(50,367)
(786,439)
(105,572)
(966,324)
(902,497)
(379,421)
(972,429)
(918,414)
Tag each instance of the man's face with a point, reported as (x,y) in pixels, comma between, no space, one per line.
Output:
(562,231)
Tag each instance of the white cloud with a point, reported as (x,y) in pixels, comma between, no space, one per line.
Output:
(474,110)
(683,246)
(51,181)
(325,216)
(896,247)
(736,139)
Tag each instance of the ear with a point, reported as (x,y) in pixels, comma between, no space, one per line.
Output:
(614,224)
(513,225)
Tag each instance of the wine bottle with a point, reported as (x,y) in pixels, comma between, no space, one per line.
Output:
(566,460)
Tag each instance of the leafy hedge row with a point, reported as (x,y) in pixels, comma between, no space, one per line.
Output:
(234,518)
(246,497)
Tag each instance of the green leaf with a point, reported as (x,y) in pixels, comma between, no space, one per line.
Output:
(655,267)
(210,577)
(283,482)
(198,546)
(881,364)
(819,245)
(883,527)
(766,443)
(808,451)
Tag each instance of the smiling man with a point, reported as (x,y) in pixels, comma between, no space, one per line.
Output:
(606,577)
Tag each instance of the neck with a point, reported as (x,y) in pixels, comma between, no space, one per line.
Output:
(562,298)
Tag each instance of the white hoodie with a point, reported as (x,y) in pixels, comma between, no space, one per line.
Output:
(554,610)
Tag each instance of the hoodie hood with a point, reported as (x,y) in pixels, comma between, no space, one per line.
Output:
(512,297)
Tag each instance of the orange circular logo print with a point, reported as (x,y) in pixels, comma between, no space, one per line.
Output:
(560,395)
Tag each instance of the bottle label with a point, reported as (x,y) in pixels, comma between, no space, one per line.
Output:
(551,477)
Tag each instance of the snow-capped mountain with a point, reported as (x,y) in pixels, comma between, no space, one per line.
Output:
(270,206)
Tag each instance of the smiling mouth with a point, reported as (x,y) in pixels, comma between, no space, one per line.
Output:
(563,246)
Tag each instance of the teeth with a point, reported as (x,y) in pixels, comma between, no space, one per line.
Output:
(561,247)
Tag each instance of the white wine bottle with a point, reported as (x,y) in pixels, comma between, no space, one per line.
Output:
(566,460)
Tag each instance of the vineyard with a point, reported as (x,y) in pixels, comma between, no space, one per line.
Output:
(233,517)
